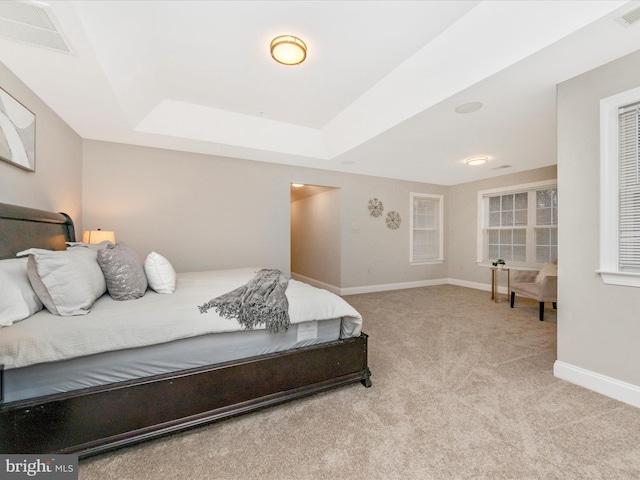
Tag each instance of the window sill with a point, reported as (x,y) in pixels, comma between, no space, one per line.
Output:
(427,262)
(511,266)
(626,279)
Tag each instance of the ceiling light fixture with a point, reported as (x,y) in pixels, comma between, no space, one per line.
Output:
(297,185)
(288,50)
(476,160)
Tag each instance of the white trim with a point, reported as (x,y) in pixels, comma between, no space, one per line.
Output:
(609,214)
(427,262)
(519,188)
(440,199)
(420,283)
(516,267)
(625,392)
(385,287)
(502,290)
(475,285)
(396,286)
(525,187)
(316,283)
(393,286)
(370,288)
(625,279)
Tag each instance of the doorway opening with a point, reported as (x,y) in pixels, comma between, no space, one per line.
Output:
(316,238)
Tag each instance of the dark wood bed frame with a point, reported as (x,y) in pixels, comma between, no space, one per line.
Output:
(97,419)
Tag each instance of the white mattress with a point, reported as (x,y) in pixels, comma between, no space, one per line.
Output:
(155,319)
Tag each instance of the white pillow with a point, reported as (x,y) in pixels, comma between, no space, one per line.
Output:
(66,281)
(17,298)
(160,274)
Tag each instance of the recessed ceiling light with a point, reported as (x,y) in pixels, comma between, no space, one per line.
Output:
(288,50)
(469,107)
(476,160)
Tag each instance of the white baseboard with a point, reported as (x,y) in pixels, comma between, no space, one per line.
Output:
(502,290)
(385,287)
(367,288)
(393,286)
(316,283)
(625,392)
(478,286)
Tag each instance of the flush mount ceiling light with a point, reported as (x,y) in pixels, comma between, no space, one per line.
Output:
(469,107)
(476,160)
(288,50)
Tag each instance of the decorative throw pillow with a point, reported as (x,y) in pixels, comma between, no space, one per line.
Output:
(17,298)
(123,272)
(547,269)
(160,273)
(66,281)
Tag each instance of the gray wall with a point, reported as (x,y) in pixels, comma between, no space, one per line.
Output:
(598,324)
(205,212)
(56,184)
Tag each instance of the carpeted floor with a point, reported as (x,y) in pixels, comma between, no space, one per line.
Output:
(462,389)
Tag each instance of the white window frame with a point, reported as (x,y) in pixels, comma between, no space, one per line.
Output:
(440,257)
(609,191)
(482,214)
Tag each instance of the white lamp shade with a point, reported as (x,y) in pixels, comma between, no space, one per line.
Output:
(97,236)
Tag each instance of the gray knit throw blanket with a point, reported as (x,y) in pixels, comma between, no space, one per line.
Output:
(261,301)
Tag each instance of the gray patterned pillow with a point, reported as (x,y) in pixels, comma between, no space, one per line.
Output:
(123,272)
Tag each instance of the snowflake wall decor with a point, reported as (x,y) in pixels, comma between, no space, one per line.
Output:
(393,220)
(375,207)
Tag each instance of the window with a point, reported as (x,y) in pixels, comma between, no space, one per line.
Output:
(546,227)
(426,229)
(620,189)
(519,224)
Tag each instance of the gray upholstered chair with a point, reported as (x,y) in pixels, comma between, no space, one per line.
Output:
(539,285)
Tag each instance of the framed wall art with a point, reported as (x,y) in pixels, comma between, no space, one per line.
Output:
(17,133)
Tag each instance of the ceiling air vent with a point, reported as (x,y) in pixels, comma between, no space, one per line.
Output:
(32,23)
(630,17)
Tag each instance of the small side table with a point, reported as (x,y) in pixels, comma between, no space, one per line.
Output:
(495,271)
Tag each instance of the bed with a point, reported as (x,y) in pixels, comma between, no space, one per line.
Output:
(138,385)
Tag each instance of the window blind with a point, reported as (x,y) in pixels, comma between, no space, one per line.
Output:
(629,188)
(426,225)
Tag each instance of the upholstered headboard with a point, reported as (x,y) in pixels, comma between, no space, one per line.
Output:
(22,228)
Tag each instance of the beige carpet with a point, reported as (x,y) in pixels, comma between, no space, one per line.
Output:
(462,389)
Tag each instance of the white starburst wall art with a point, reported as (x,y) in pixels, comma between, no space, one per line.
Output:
(17,133)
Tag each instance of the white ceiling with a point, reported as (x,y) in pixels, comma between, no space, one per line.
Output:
(375,96)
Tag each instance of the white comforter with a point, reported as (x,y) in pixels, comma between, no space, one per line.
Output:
(156,318)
